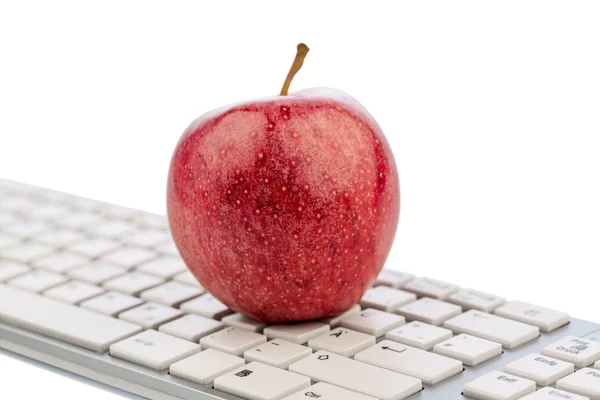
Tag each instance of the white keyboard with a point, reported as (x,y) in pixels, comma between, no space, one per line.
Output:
(100,290)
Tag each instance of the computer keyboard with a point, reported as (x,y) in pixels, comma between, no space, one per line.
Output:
(100,290)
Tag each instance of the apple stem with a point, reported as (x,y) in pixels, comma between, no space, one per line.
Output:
(301,52)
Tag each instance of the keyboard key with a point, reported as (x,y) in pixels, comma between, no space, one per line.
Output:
(62,321)
(94,247)
(96,272)
(165,267)
(335,320)
(120,212)
(578,351)
(597,365)
(150,315)
(277,353)
(59,237)
(427,287)
(342,341)
(233,340)
(111,303)
(585,382)
(8,241)
(430,311)
(60,262)
(49,212)
(186,277)
(12,269)
(168,248)
(37,280)
(27,252)
(79,220)
(499,385)
(543,370)
(129,257)
(393,278)
(132,283)
(205,366)
(20,204)
(549,393)
(7,219)
(153,349)
(207,306)
(296,333)
(430,368)
(471,350)
(241,321)
(146,238)
(507,332)
(419,334)
(111,229)
(83,203)
(191,327)
(257,381)
(73,292)
(325,391)
(354,375)
(25,229)
(373,322)
(153,221)
(171,293)
(544,318)
(470,299)
(386,299)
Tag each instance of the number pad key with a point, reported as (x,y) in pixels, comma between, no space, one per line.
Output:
(153,349)
(233,340)
(256,381)
(544,318)
(386,299)
(499,385)
(419,334)
(150,315)
(471,350)
(578,351)
(543,370)
(277,353)
(205,366)
(373,322)
(342,341)
(430,311)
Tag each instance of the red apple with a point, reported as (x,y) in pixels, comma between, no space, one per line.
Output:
(285,208)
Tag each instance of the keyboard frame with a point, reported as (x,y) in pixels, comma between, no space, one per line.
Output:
(148,383)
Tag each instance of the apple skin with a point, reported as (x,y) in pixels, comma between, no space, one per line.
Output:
(285,208)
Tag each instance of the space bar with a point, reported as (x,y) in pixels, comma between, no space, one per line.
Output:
(61,321)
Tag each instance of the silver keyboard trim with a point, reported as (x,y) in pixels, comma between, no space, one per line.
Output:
(160,385)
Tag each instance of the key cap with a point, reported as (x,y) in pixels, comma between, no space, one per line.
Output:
(83,203)
(171,293)
(60,262)
(7,219)
(94,247)
(62,321)
(354,375)
(186,277)
(205,366)
(232,340)
(153,221)
(12,269)
(37,280)
(342,341)
(543,370)
(430,311)
(207,306)
(325,391)
(27,252)
(585,382)
(597,365)
(549,393)
(129,257)
(373,322)
(146,238)
(499,385)
(578,351)
(430,368)
(335,320)
(419,334)
(59,237)
(7,241)
(471,350)
(20,204)
(79,220)
(257,381)
(165,267)
(150,315)
(111,229)
(73,292)
(153,349)
(508,333)
(49,212)
(120,212)
(25,229)
(470,299)
(427,287)
(241,321)
(96,272)
(191,327)
(386,299)
(168,248)
(296,333)
(132,283)
(393,278)
(277,353)
(544,318)
(111,303)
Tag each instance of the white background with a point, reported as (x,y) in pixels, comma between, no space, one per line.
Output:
(492,110)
